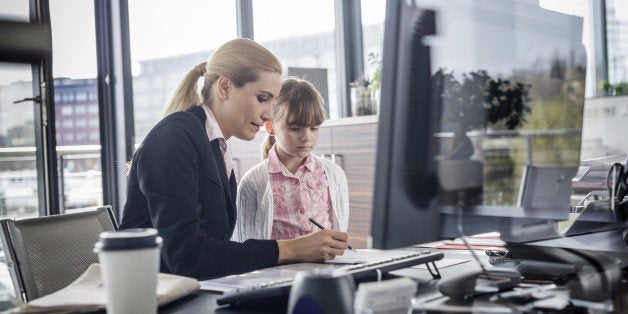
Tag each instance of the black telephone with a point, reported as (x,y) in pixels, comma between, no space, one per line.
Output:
(617,183)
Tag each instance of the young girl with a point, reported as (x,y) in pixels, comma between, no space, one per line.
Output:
(277,197)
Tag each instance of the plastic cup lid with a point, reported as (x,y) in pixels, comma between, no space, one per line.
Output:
(128,239)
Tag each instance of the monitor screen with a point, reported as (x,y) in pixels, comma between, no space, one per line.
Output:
(480,120)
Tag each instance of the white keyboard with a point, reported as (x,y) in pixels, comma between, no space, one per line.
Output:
(276,281)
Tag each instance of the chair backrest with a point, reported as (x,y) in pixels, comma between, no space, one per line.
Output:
(45,254)
(460,174)
(546,187)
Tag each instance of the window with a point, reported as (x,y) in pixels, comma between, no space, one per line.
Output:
(301,35)
(74,66)
(18,169)
(93,123)
(92,109)
(66,110)
(81,96)
(15,10)
(617,48)
(67,124)
(81,137)
(80,109)
(68,138)
(169,38)
(373,14)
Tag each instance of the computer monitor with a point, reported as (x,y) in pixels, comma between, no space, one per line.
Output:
(473,93)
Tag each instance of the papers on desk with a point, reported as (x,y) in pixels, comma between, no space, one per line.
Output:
(482,241)
(87,294)
(475,243)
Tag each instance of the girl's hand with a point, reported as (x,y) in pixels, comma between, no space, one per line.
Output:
(316,247)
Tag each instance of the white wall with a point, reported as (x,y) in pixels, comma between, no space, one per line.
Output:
(605,127)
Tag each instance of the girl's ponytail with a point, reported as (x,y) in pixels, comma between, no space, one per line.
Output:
(268,144)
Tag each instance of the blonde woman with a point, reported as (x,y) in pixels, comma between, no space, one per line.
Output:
(278,197)
(181,181)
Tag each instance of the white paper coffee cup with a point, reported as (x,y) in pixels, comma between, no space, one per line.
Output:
(129,262)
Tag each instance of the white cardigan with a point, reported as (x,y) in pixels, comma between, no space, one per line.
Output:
(255,201)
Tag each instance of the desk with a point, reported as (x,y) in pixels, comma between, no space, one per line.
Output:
(205,302)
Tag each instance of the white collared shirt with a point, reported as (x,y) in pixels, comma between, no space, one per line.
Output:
(213,132)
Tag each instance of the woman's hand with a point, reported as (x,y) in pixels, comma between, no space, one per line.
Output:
(316,247)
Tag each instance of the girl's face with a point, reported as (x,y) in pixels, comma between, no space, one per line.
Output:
(295,141)
(242,111)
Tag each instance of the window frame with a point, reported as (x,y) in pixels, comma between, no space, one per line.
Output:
(37,51)
(115,101)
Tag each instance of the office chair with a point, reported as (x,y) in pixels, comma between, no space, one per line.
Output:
(460,181)
(546,187)
(45,254)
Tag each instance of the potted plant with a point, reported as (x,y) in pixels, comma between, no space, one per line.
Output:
(476,102)
(365,91)
(361,98)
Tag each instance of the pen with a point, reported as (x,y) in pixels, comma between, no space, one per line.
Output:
(321,227)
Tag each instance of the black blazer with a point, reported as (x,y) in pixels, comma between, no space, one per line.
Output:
(178,185)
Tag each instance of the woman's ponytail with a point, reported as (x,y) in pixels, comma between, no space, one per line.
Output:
(186,94)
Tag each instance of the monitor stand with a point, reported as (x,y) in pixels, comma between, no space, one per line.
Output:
(610,243)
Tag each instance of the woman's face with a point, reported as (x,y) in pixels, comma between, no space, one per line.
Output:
(245,109)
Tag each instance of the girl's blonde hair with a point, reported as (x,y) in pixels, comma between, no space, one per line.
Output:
(298,103)
(241,60)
